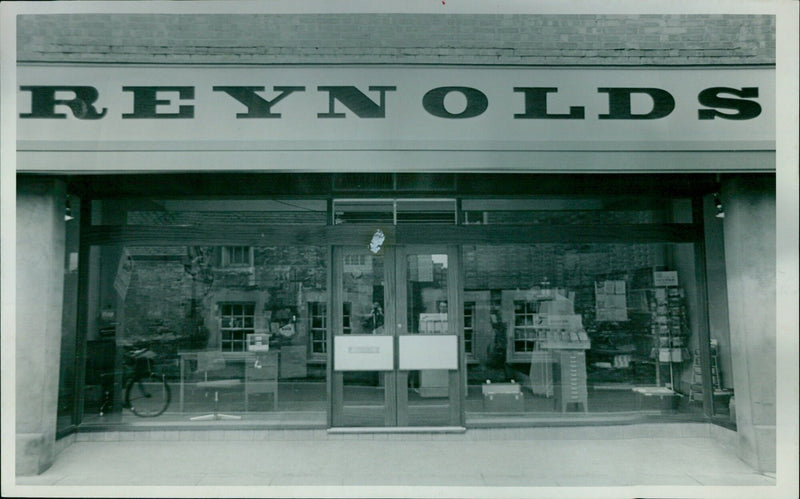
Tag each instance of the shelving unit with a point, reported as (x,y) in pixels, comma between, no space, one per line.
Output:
(572,379)
(696,389)
(543,332)
(620,352)
(642,349)
(668,328)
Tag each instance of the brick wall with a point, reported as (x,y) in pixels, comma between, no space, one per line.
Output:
(158,300)
(399,38)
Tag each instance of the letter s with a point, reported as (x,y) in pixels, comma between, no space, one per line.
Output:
(746,109)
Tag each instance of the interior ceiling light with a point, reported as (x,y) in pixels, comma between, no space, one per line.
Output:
(718,205)
(68,211)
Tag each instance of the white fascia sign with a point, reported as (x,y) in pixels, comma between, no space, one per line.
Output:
(445,111)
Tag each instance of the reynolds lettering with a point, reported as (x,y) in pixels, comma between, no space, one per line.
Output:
(536,105)
(433,102)
(146,102)
(745,109)
(44,102)
(619,103)
(257,106)
(355,100)
(168,102)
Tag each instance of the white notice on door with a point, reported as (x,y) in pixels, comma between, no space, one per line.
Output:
(428,352)
(363,352)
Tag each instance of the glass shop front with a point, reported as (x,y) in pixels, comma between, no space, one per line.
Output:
(383,300)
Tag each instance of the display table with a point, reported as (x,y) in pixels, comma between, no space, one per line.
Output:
(191,356)
(655,398)
(502,397)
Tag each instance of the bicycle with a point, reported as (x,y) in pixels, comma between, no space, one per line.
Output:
(147,393)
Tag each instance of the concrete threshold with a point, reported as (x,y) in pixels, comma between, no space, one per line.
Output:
(396,429)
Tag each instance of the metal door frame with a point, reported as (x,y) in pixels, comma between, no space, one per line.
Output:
(395,296)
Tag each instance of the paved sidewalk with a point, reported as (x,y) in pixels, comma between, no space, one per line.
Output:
(354,467)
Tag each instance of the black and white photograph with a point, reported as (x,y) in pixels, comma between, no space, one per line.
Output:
(436,248)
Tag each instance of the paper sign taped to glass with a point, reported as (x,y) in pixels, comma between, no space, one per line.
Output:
(258,342)
(287,331)
(433,323)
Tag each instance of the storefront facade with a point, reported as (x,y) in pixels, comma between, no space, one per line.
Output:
(366,240)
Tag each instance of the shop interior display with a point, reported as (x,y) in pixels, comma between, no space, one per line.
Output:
(627,332)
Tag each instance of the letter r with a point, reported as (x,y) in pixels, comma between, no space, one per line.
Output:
(44,102)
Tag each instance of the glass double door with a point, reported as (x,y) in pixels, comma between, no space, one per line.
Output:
(396,349)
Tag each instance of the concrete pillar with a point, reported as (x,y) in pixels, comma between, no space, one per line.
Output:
(749,227)
(39,295)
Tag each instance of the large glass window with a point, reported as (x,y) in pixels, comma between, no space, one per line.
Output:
(255,309)
(570,328)
(564,328)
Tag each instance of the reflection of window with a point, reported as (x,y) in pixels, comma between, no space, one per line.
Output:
(394,211)
(469,327)
(346,328)
(318,325)
(237,256)
(585,211)
(525,332)
(236,322)
(355,259)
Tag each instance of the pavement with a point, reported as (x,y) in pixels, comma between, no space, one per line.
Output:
(479,463)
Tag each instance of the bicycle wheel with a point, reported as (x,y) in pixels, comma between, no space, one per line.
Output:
(147,397)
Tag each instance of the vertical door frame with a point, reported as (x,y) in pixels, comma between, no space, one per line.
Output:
(390,378)
(335,302)
(455,311)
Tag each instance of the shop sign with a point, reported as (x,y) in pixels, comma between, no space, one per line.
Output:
(258,342)
(665,279)
(395,108)
(363,353)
